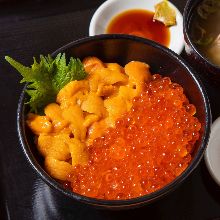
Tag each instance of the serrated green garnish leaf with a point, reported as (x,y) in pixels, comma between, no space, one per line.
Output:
(47,77)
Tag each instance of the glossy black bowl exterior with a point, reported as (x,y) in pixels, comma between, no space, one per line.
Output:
(122,49)
(200,63)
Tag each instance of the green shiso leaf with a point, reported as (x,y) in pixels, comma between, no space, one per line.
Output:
(47,77)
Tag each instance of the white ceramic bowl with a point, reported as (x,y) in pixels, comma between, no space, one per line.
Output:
(111,8)
(212,154)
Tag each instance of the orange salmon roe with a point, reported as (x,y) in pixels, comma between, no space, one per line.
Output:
(149,146)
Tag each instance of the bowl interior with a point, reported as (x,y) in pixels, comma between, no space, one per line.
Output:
(111,8)
(122,49)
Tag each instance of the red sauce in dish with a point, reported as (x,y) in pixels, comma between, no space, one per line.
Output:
(140,23)
(148,148)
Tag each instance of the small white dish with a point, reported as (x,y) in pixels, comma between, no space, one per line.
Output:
(212,154)
(110,8)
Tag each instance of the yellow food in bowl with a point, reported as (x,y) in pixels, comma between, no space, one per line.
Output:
(83,111)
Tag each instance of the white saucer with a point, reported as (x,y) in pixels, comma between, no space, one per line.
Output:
(212,154)
(111,8)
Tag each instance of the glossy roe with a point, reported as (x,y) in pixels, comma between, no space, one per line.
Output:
(149,147)
(140,23)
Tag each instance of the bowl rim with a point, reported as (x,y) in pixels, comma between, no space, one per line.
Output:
(129,202)
(108,4)
(186,23)
(208,158)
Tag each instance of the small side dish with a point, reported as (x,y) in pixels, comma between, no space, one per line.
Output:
(111,132)
(144,23)
(212,154)
(139,18)
(205,30)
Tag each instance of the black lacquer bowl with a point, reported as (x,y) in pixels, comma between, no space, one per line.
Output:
(200,63)
(122,49)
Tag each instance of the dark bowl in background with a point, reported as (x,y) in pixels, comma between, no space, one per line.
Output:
(200,63)
(122,49)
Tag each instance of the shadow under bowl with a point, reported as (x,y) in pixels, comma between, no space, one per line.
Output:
(199,62)
(122,49)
